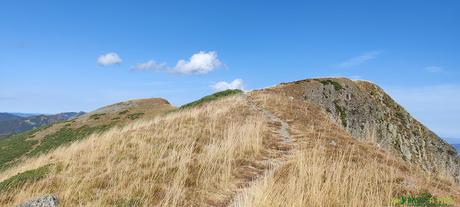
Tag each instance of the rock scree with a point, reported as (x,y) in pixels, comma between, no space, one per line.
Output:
(45,201)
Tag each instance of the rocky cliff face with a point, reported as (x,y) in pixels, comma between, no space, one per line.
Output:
(368,113)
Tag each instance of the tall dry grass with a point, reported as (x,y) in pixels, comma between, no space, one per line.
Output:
(314,178)
(182,159)
(198,157)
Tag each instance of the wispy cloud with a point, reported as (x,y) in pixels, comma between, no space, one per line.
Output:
(359,60)
(149,65)
(222,85)
(199,63)
(111,58)
(434,69)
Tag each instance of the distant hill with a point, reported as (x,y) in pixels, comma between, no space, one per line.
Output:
(15,123)
(44,138)
(8,117)
(26,114)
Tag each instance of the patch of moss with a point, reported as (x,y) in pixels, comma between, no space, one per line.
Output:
(96,116)
(336,85)
(15,146)
(123,112)
(342,113)
(24,177)
(132,202)
(65,136)
(135,115)
(211,97)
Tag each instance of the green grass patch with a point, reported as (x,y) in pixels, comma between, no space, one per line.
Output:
(132,202)
(24,177)
(342,113)
(336,85)
(135,115)
(15,146)
(212,97)
(122,112)
(65,136)
(96,116)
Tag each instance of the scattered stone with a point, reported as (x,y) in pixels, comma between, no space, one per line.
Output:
(333,143)
(46,201)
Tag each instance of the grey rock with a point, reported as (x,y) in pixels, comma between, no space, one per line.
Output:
(46,201)
(364,110)
(333,143)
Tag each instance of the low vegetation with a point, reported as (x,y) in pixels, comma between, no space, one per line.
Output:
(65,136)
(342,113)
(135,115)
(23,144)
(15,146)
(23,178)
(336,85)
(211,97)
(97,116)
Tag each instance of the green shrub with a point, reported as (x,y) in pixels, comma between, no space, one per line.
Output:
(336,85)
(96,116)
(135,115)
(342,113)
(211,97)
(65,136)
(132,202)
(122,112)
(15,146)
(24,177)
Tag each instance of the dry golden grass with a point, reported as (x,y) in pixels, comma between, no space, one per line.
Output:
(184,158)
(314,178)
(333,169)
(223,153)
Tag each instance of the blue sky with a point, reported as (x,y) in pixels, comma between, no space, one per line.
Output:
(80,55)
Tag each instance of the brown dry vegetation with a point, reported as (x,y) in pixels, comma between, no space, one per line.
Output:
(226,152)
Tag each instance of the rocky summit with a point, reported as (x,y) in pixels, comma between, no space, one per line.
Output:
(370,114)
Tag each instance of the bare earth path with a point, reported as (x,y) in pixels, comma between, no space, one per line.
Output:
(281,143)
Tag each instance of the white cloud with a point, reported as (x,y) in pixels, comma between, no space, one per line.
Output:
(222,85)
(434,69)
(149,65)
(111,58)
(199,63)
(358,60)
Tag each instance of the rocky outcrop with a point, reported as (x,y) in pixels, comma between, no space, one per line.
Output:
(368,113)
(46,201)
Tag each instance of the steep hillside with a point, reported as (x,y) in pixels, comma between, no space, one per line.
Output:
(368,113)
(10,124)
(263,148)
(41,140)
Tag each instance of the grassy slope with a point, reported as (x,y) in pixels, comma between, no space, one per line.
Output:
(207,156)
(211,97)
(16,147)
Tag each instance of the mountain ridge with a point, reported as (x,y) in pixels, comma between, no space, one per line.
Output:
(10,123)
(303,143)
